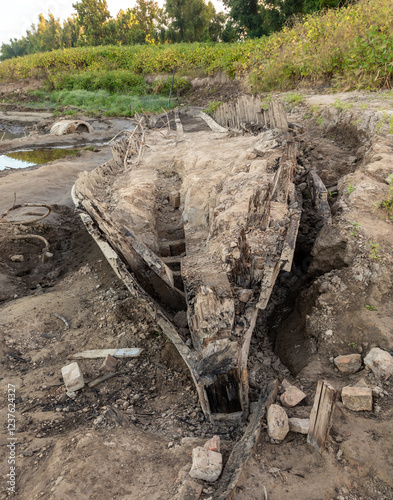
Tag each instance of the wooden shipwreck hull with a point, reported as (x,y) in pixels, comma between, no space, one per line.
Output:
(199,222)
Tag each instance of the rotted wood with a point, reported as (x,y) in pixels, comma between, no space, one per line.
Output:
(244,448)
(319,195)
(321,415)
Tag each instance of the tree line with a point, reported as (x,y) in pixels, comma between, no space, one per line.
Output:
(177,21)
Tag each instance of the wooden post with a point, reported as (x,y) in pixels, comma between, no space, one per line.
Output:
(321,415)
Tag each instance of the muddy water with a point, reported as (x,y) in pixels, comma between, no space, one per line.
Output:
(23,159)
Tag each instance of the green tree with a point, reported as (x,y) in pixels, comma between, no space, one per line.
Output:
(189,20)
(48,33)
(92,17)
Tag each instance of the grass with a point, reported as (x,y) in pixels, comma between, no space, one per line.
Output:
(103,102)
(350,48)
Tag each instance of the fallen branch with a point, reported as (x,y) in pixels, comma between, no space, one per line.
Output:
(63,320)
(29,237)
(98,380)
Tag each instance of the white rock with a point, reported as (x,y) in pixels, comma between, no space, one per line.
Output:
(17,258)
(380,362)
(206,464)
(300,425)
(277,422)
(73,377)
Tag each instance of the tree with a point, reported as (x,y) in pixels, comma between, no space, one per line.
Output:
(92,17)
(189,20)
(247,15)
(48,33)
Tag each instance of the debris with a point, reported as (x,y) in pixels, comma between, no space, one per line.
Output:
(190,490)
(206,464)
(109,364)
(102,353)
(213,444)
(243,449)
(71,127)
(348,363)
(73,377)
(63,320)
(301,425)
(98,380)
(380,363)
(277,422)
(180,319)
(321,415)
(244,294)
(292,396)
(17,258)
(357,398)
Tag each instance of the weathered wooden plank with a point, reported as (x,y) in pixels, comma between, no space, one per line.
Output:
(319,194)
(215,127)
(244,448)
(321,415)
(290,241)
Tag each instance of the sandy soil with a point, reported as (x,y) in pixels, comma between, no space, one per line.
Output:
(130,437)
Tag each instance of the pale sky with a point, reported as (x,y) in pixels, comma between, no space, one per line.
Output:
(17,16)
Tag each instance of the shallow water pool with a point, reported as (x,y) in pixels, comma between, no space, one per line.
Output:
(23,159)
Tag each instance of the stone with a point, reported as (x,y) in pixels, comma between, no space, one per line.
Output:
(245,294)
(277,422)
(206,464)
(17,258)
(300,425)
(109,364)
(348,363)
(357,398)
(180,319)
(174,199)
(292,396)
(73,377)
(213,444)
(190,490)
(380,363)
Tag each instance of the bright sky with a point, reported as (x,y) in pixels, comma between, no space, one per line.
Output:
(17,16)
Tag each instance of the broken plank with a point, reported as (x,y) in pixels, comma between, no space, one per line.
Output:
(321,415)
(102,353)
(108,376)
(244,448)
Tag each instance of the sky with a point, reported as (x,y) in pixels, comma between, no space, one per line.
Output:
(17,16)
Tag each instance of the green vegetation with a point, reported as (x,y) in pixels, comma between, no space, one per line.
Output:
(213,106)
(370,307)
(387,203)
(374,250)
(349,189)
(355,231)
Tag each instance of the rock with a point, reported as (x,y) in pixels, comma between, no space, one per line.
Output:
(213,444)
(190,490)
(73,377)
(329,333)
(357,398)
(174,199)
(206,464)
(180,319)
(245,294)
(253,407)
(277,422)
(292,396)
(109,364)
(17,258)
(348,363)
(300,425)
(380,362)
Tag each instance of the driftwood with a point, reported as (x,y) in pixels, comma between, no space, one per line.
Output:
(102,353)
(321,415)
(239,232)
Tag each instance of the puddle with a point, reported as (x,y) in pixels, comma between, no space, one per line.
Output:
(23,159)
(11,132)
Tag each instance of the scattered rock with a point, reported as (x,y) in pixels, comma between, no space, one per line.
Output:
(109,364)
(73,377)
(348,363)
(17,258)
(277,422)
(206,464)
(292,396)
(213,444)
(190,490)
(245,294)
(300,425)
(180,319)
(357,398)
(380,363)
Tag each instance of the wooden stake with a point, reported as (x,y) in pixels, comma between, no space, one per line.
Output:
(321,415)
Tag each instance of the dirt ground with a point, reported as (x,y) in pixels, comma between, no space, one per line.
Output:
(131,437)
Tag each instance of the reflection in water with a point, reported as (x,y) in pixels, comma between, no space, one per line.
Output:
(22,159)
